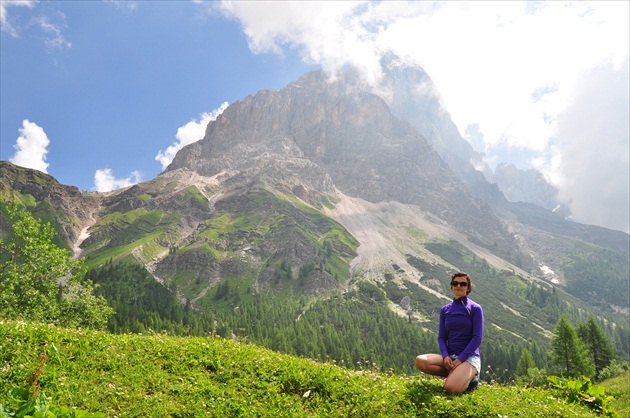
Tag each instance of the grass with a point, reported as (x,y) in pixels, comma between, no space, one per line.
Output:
(618,387)
(158,375)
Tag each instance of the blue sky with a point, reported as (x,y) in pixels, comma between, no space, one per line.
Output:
(100,94)
(112,84)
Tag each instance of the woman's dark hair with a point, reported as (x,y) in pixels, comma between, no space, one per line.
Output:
(467,277)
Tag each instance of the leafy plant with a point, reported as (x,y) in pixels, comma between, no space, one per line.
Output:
(26,404)
(32,402)
(581,390)
(40,281)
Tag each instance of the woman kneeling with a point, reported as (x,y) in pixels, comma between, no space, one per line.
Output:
(459,336)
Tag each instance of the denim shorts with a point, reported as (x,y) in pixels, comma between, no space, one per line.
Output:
(474,360)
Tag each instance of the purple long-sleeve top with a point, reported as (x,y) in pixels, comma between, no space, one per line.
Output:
(461,328)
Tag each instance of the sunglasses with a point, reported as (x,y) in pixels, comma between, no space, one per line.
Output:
(461,284)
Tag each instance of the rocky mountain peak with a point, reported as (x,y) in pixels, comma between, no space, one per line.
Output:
(329,134)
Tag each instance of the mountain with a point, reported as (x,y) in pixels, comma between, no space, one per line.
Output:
(329,187)
(66,207)
(413,97)
(354,142)
(528,186)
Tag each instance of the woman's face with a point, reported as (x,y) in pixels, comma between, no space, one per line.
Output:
(457,288)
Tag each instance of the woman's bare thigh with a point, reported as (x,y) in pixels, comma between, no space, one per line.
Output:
(431,364)
(458,379)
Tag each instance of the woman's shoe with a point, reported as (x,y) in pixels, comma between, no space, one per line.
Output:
(474,384)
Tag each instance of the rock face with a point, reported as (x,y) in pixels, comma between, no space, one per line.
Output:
(325,135)
(413,97)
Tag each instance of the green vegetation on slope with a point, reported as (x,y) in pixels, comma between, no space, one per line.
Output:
(523,304)
(349,328)
(599,276)
(142,304)
(619,388)
(157,375)
(117,235)
(265,237)
(346,328)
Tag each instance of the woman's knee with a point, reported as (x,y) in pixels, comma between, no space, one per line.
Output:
(424,362)
(421,360)
(454,388)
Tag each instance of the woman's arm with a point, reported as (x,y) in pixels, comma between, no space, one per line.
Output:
(477,337)
(443,334)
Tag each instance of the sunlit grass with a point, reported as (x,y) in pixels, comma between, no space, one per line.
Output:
(619,387)
(158,375)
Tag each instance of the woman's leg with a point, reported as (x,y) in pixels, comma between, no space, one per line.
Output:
(431,364)
(459,378)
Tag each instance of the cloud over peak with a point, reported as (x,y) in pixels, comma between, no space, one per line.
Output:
(512,73)
(104,180)
(193,131)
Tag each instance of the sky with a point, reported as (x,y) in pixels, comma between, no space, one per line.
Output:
(102,94)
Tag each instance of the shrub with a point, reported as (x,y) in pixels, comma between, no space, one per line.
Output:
(535,378)
(614,369)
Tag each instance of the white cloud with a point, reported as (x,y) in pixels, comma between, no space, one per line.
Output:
(331,34)
(508,69)
(127,6)
(54,31)
(5,23)
(193,131)
(31,147)
(52,25)
(592,166)
(104,180)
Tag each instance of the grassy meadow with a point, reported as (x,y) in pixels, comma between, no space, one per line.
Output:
(132,375)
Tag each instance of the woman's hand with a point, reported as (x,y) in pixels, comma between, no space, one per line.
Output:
(450,364)
(455,364)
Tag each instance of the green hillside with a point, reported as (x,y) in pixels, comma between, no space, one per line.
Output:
(155,375)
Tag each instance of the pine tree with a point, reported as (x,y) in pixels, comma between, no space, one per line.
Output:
(599,346)
(525,362)
(569,354)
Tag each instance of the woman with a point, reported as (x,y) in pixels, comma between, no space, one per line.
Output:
(459,337)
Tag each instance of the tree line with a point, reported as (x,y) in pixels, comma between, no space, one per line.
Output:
(353,329)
